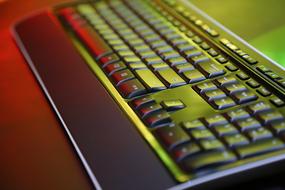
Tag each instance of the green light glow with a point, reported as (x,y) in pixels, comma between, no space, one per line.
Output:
(272,44)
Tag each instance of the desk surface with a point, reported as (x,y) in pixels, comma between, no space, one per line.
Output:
(35,154)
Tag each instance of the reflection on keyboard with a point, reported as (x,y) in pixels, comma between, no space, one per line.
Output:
(158,64)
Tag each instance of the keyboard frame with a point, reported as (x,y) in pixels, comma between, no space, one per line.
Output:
(231,170)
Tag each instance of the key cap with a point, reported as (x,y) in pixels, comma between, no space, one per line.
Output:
(249,123)
(158,119)
(206,86)
(183,67)
(185,150)
(231,67)
(122,76)
(213,144)
(213,52)
(170,78)
(200,134)
(148,109)
(244,97)
(214,94)
(238,114)
(172,105)
(138,102)
(153,60)
(277,101)
(195,124)
(168,55)
(110,58)
(151,82)
(113,67)
(193,76)
(131,59)
(208,160)
(158,66)
(258,134)
(215,120)
(270,116)
(183,47)
(191,53)
(278,127)
(199,59)
(258,107)
(172,136)
(176,61)
(234,88)
(252,83)
(147,54)
(242,75)
(263,91)
(226,80)
(259,147)
(131,88)
(223,103)
(235,140)
(211,69)
(137,66)
(227,129)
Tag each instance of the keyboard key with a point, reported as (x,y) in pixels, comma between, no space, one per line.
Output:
(158,66)
(259,147)
(231,67)
(122,76)
(212,144)
(170,78)
(137,66)
(223,103)
(215,120)
(195,124)
(153,60)
(242,75)
(221,59)
(131,88)
(206,86)
(227,129)
(211,69)
(235,140)
(148,109)
(183,47)
(258,134)
(191,53)
(172,136)
(277,101)
(151,82)
(213,52)
(258,107)
(263,91)
(199,59)
(249,123)
(270,116)
(193,76)
(238,114)
(138,102)
(183,67)
(214,94)
(176,61)
(244,97)
(278,127)
(172,105)
(185,150)
(200,134)
(158,119)
(234,88)
(207,160)
(107,59)
(113,67)
(252,83)
(226,80)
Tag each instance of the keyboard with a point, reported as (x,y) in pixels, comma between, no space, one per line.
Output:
(202,102)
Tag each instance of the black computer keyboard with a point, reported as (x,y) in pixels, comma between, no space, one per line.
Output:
(196,101)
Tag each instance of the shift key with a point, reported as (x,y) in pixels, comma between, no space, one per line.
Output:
(151,81)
